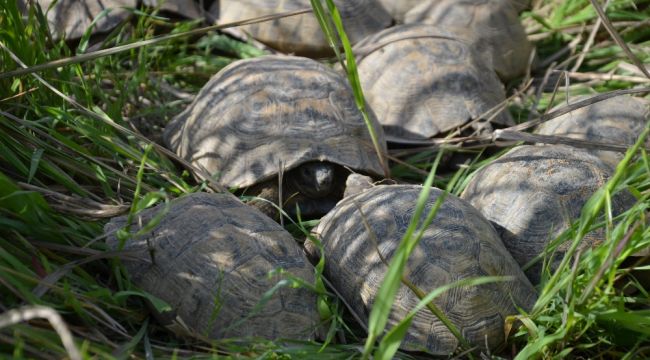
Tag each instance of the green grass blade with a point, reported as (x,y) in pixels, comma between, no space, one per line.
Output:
(351,69)
(392,280)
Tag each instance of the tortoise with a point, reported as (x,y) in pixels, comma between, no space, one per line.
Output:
(262,116)
(617,120)
(491,27)
(460,243)
(69,19)
(532,194)
(302,34)
(422,82)
(209,258)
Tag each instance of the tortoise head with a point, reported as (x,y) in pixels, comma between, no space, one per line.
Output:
(314,179)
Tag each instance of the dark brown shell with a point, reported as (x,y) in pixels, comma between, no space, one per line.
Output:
(491,27)
(257,114)
(302,34)
(460,243)
(212,255)
(422,82)
(533,193)
(618,120)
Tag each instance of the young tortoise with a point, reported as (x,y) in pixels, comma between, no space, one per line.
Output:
(422,81)
(618,120)
(491,27)
(460,243)
(209,258)
(70,19)
(260,115)
(302,34)
(532,194)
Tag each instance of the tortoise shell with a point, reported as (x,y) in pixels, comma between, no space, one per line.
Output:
(302,34)
(617,120)
(70,19)
(491,27)
(459,243)
(259,114)
(211,259)
(422,81)
(533,193)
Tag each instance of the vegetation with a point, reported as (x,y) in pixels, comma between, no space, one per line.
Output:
(77,147)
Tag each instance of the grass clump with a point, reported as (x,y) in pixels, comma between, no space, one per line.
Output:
(76,149)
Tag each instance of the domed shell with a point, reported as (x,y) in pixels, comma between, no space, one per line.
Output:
(533,193)
(255,114)
(211,259)
(617,120)
(301,34)
(491,27)
(458,244)
(422,82)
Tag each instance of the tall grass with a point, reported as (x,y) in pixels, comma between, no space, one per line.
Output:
(67,166)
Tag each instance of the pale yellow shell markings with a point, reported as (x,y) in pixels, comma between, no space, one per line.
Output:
(302,34)
(618,120)
(257,113)
(534,193)
(421,81)
(460,243)
(211,259)
(491,27)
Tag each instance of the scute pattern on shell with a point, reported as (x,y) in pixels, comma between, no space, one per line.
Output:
(458,244)
(302,34)
(259,112)
(533,193)
(71,18)
(212,253)
(618,120)
(491,27)
(421,81)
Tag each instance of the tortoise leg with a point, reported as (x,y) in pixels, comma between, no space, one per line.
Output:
(268,197)
(356,183)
